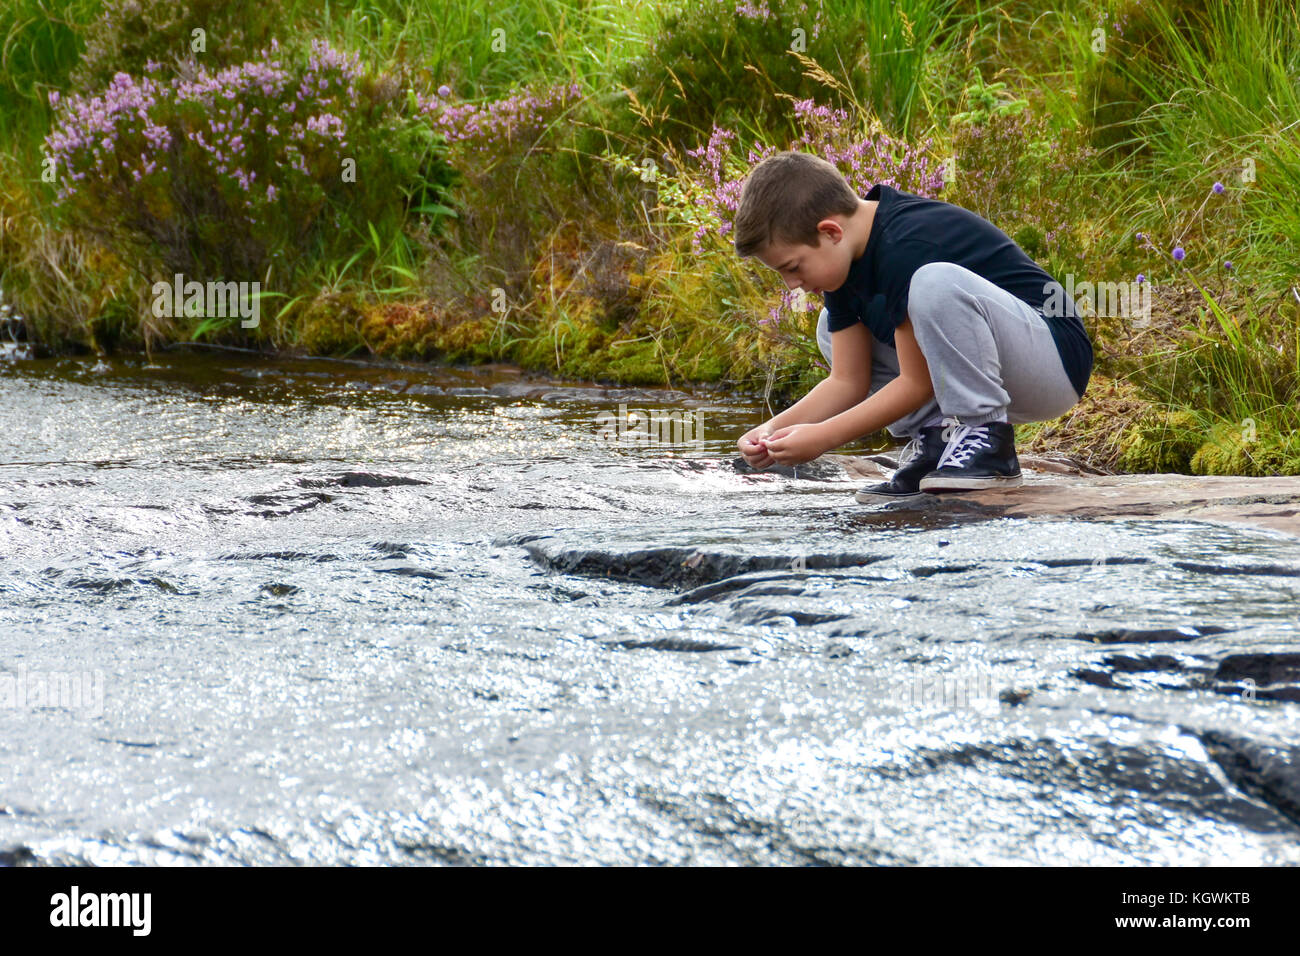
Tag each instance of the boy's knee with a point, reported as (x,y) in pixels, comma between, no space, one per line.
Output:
(931,290)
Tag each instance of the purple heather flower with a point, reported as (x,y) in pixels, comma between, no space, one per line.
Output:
(1218,187)
(1179,253)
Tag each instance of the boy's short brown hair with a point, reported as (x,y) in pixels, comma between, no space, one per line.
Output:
(784,198)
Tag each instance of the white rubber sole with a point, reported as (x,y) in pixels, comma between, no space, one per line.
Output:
(968,484)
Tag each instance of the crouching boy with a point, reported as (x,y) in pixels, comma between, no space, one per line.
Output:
(936,325)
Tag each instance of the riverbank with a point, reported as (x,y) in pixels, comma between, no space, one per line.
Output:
(563,203)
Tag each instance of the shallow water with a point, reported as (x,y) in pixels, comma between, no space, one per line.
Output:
(320,612)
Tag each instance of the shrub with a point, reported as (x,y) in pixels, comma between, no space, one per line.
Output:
(502,148)
(230,173)
(706,194)
(1013,171)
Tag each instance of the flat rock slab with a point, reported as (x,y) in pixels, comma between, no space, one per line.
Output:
(1059,488)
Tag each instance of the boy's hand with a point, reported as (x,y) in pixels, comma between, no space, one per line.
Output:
(752,448)
(796,444)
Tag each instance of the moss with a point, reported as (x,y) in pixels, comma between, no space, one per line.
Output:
(1234,449)
(426,331)
(465,340)
(1164,441)
(330,324)
(637,363)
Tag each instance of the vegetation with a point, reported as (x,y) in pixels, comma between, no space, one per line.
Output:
(549,182)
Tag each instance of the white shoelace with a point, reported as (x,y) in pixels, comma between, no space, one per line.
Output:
(965,441)
(910,451)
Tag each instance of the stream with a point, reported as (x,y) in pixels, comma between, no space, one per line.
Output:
(278,611)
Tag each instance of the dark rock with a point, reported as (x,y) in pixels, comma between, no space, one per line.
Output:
(680,566)
(1261,668)
(1268,772)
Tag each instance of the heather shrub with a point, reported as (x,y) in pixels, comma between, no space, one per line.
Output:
(706,190)
(700,193)
(259,171)
(503,149)
(1011,168)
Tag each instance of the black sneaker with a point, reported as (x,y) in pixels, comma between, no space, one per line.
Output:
(977,456)
(918,459)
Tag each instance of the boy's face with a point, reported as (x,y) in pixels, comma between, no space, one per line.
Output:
(815,269)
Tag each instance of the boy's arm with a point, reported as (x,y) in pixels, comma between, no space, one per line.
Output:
(847,384)
(905,394)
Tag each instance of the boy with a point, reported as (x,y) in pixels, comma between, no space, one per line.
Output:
(934,325)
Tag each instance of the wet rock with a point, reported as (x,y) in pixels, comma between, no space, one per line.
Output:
(549,392)
(282,505)
(1266,676)
(816,470)
(518,389)
(1261,668)
(1143,664)
(1268,772)
(398,566)
(1050,489)
(573,395)
(1099,678)
(1136,635)
(1234,568)
(359,479)
(686,644)
(751,583)
(279,590)
(677,566)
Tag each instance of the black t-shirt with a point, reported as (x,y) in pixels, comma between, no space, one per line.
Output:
(910,231)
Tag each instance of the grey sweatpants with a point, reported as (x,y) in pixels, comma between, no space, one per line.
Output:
(991,355)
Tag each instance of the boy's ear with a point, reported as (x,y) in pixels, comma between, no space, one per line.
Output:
(831,229)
